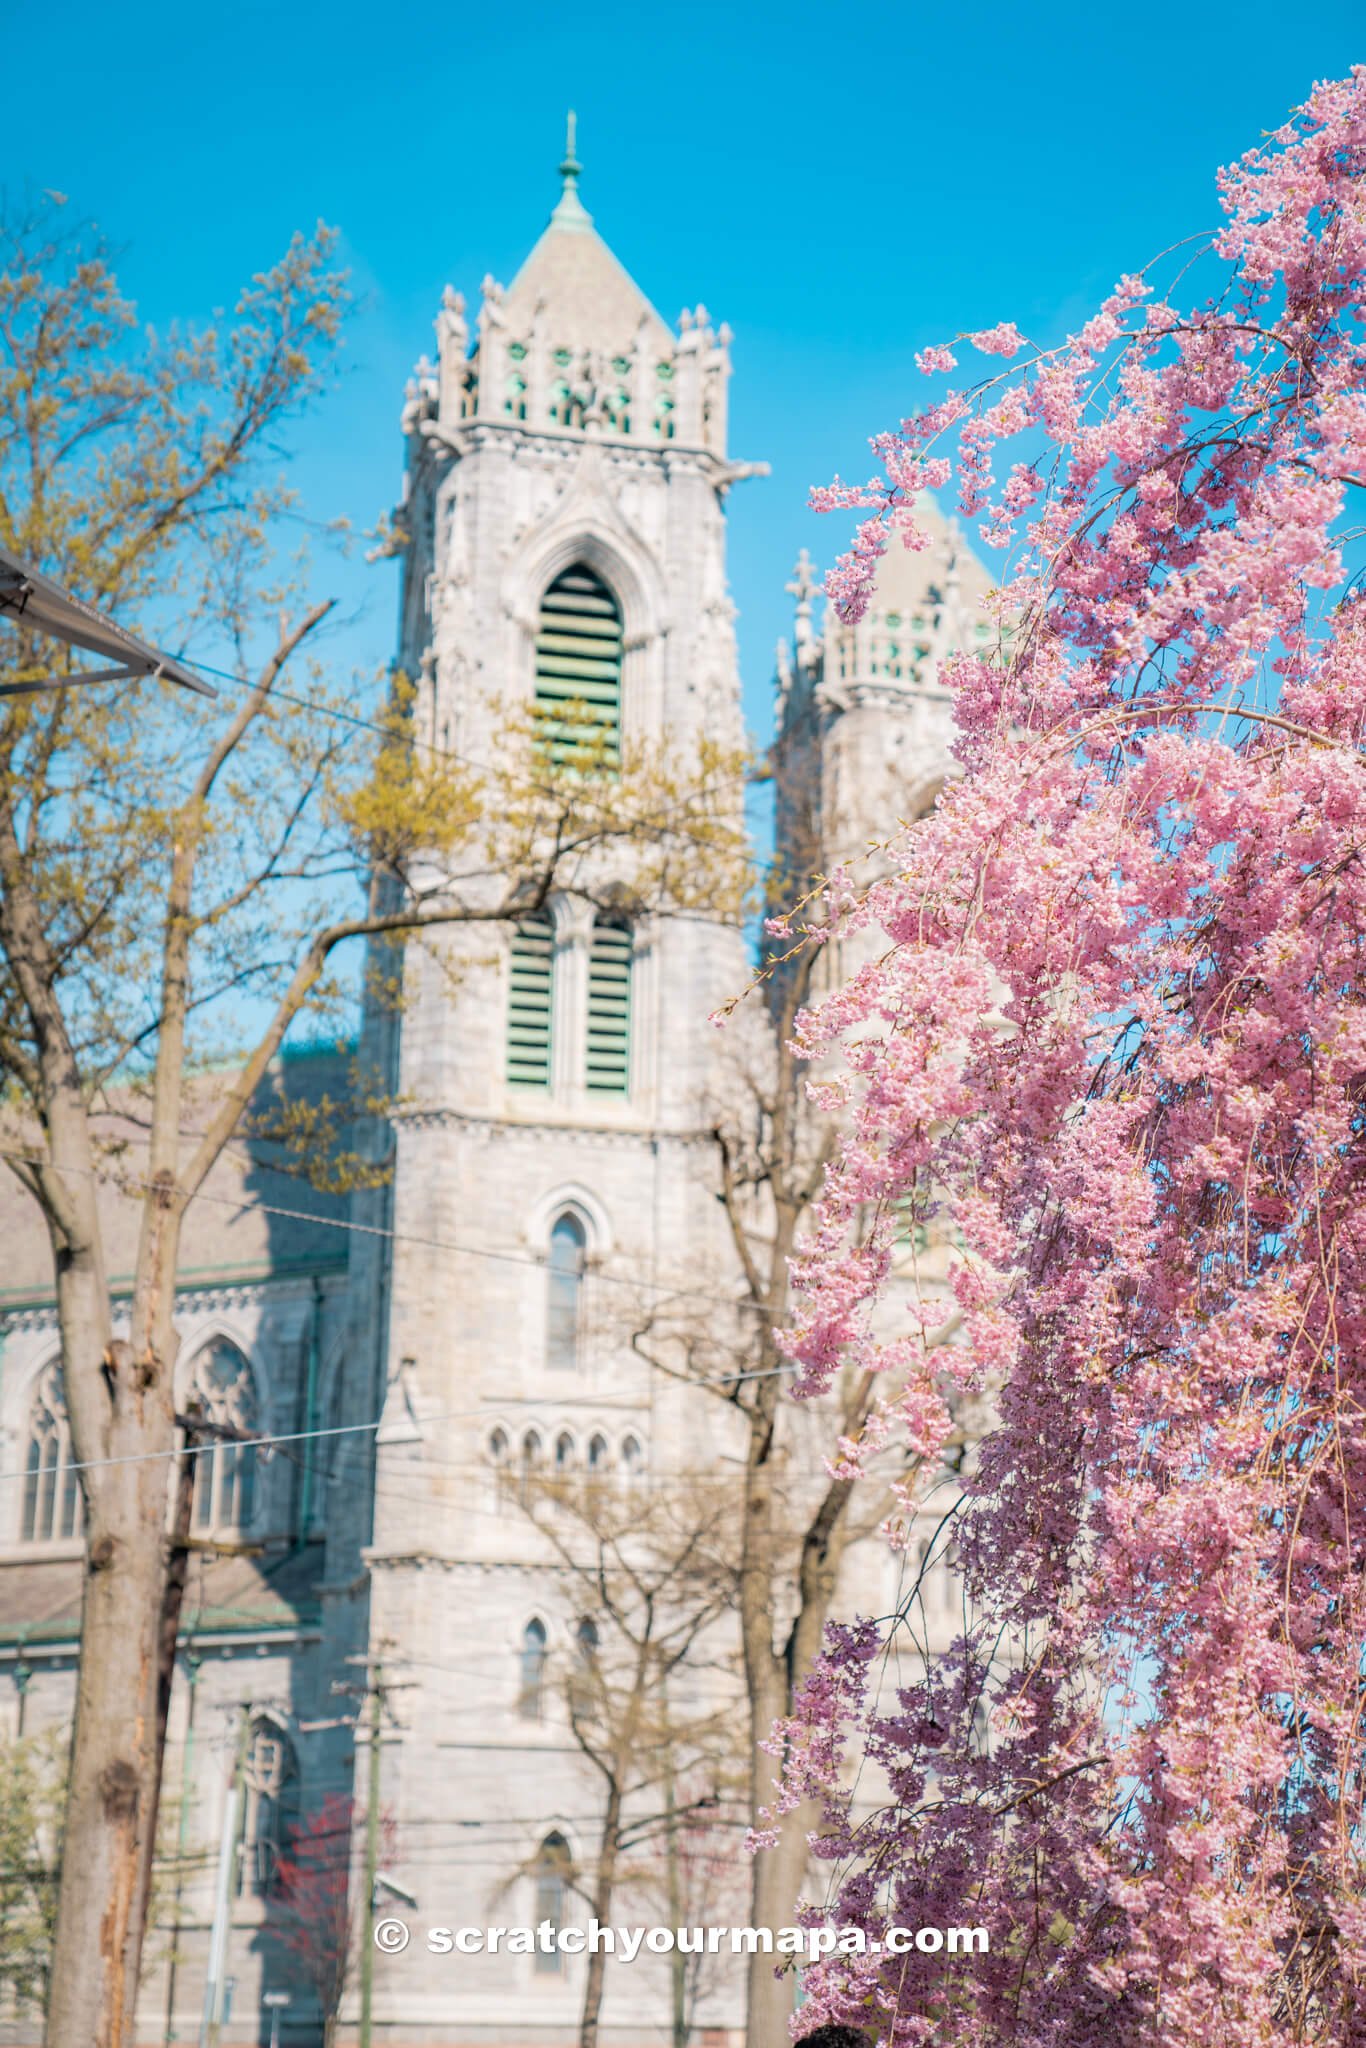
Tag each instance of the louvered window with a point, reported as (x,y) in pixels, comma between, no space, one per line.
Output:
(578,669)
(530,1001)
(609,1010)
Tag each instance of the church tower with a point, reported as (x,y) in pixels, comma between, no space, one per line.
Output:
(864,719)
(564,535)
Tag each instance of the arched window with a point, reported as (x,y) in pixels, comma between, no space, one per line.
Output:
(514,398)
(530,1463)
(223,1389)
(531,1672)
(52,1490)
(632,1457)
(564,1451)
(609,1009)
(617,406)
(597,1453)
(554,1867)
(564,1291)
(269,1805)
(498,1454)
(564,408)
(531,1003)
(585,1691)
(578,670)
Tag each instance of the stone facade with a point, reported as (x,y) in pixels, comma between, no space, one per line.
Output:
(483,1303)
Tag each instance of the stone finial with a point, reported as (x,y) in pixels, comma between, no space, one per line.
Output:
(570,212)
(803,587)
(452,340)
(492,347)
(782,675)
(571,166)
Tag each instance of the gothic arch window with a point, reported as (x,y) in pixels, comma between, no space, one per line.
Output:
(564,1290)
(223,1389)
(578,670)
(531,1671)
(531,1003)
(514,397)
(609,1009)
(597,1453)
(617,406)
(499,1451)
(564,1451)
(531,1461)
(52,1490)
(564,407)
(584,1689)
(632,1457)
(269,1805)
(554,1866)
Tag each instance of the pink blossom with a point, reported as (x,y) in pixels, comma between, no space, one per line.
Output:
(1112,1021)
(937,358)
(1005,339)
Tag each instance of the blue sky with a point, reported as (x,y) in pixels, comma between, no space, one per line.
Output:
(843,184)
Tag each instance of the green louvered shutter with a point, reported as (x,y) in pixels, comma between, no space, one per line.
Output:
(609,1011)
(578,667)
(530,1000)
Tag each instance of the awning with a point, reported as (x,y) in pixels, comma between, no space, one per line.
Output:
(42,604)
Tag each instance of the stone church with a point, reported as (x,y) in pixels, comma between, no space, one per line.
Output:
(564,515)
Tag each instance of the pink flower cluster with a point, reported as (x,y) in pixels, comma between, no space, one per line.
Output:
(1112,1038)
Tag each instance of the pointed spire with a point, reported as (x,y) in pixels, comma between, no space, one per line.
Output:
(571,212)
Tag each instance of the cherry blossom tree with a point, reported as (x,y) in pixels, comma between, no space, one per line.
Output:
(1111,1032)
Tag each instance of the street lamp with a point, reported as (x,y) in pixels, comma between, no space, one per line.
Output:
(30,599)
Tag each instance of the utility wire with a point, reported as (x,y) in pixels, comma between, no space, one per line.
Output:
(488,1408)
(538,1260)
(412,739)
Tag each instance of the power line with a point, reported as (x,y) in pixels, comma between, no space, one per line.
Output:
(538,1260)
(356,1428)
(412,739)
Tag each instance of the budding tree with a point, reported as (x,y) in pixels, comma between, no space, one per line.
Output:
(770,1143)
(180,879)
(650,1698)
(1151,871)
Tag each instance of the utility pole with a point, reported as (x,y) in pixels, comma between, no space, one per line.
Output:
(376,1691)
(678,1962)
(212,2021)
(192,1663)
(367,1945)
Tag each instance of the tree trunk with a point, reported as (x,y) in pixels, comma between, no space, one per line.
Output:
(121,1404)
(115,1764)
(769,1999)
(778,1877)
(772,1677)
(601,1907)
